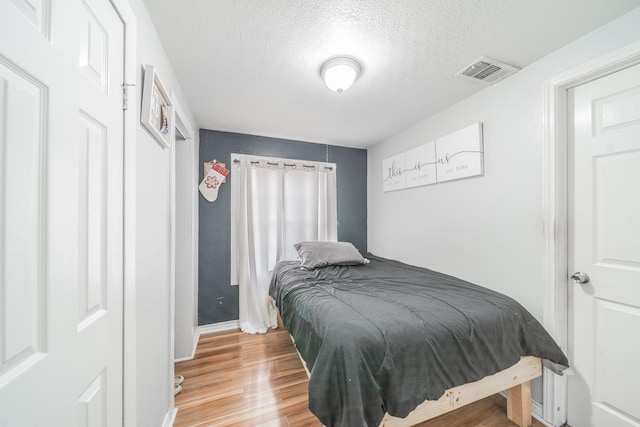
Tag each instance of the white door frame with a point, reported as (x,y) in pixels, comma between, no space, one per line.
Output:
(131,121)
(183,125)
(555,309)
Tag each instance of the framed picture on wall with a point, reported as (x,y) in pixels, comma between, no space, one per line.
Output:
(157,108)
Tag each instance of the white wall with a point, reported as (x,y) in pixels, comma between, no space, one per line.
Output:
(154,349)
(487,230)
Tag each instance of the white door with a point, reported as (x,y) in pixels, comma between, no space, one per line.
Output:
(604,236)
(61,200)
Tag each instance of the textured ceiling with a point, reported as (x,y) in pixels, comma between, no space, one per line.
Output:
(252,66)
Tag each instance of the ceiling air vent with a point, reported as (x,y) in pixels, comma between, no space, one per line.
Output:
(487,70)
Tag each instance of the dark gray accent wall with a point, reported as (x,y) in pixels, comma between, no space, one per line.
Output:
(217,299)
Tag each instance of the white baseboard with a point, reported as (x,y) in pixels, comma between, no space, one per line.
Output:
(218,327)
(170,418)
(207,329)
(194,346)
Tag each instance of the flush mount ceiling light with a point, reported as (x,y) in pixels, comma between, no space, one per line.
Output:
(340,73)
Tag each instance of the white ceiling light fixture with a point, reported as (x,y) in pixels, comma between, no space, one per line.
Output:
(340,73)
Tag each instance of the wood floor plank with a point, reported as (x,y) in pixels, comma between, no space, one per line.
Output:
(243,380)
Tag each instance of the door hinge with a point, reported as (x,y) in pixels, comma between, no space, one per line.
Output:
(125,95)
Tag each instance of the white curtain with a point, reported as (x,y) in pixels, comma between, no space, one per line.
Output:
(274,205)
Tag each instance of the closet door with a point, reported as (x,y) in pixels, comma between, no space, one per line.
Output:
(61,204)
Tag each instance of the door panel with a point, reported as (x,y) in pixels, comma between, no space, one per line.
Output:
(22,141)
(604,236)
(616,111)
(91,405)
(93,58)
(617,211)
(617,324)
(61,199)
(36,12)
(92,220)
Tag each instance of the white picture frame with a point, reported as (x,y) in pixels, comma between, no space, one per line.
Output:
(458,155)
(157,109)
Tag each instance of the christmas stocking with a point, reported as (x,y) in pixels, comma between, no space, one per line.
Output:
(212,180)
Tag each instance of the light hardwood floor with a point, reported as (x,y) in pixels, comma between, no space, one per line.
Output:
(243,380)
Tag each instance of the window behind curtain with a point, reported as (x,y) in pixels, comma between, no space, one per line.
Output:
(274,205)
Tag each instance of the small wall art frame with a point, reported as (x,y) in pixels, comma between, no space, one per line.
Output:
(157,108)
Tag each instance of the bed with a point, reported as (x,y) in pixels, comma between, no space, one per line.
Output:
(389,344)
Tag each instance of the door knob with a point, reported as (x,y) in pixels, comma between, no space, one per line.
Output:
(580,277)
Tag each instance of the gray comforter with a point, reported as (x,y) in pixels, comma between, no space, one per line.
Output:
(386,336)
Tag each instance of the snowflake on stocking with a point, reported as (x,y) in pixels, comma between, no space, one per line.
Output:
(212,182)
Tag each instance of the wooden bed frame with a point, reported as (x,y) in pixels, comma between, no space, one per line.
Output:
(516,380)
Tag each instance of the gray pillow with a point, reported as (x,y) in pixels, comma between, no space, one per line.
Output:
(321,254)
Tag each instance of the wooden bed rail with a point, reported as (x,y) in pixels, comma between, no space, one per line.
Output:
(516,380)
